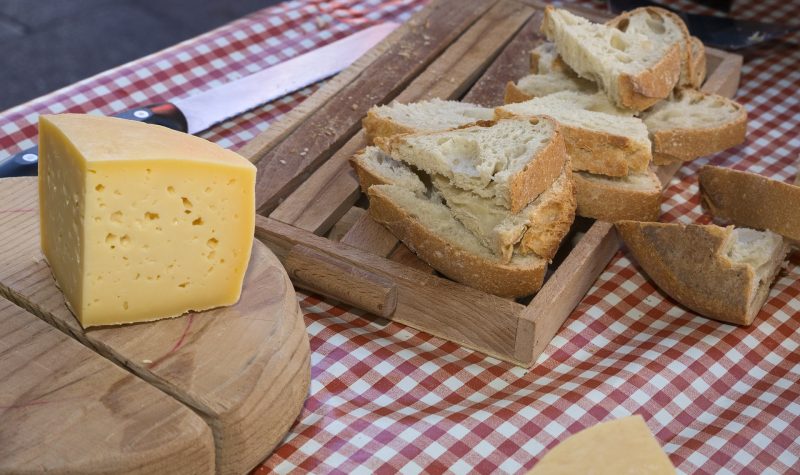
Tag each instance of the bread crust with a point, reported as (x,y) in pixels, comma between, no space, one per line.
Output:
(698,62)
(376,126)
(683,144)
(688,262)
(513,94)
(551,222)
(492,276)
(604,201)
(751,200)
(685,56)
(642,90)
(600,152)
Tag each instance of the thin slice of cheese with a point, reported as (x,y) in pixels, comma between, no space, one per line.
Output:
(618,447)
(139,222)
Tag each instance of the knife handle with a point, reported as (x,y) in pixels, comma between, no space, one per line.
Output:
(26,162)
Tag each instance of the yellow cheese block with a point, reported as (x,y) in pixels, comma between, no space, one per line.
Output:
(139,222)
(618,447)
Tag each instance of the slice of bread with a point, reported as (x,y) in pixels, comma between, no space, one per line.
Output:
(537,229)
(634,72)
(636,196)
(510,161)
(374,167)
(751,200)
(428,228)
(698,62)
(423,116)
(662,27)
(538,85)
(612,144)
(545,59)
(693,124)
(720,273)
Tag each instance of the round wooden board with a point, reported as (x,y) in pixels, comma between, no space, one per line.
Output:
(65,409)
(245,369)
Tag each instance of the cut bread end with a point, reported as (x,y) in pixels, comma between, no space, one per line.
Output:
(720,273)
(634,197)
(752,200)
(426,226)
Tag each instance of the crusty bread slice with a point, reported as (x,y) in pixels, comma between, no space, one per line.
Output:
(612,144)
(693,124)
(426,226)
(698,62)
(545,59)
(720,273)
(538,228)
(662,27)
(634,72)
(751,200)
(510,161)
(538,85)
(423,116)
(636,196)
(374,167)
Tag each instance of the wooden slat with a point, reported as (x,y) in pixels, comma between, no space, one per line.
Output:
(344,223)
(288,164)
(65,409)
(318,202)
(370,236)
(438,306)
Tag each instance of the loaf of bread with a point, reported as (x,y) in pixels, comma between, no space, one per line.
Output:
(634,71)
(720,273)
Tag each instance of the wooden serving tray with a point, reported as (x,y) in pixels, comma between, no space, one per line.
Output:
(453,49)
(244,369)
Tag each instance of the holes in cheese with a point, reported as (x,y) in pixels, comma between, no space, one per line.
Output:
(135,223)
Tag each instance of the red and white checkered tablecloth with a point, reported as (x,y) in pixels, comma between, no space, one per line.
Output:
(387,398)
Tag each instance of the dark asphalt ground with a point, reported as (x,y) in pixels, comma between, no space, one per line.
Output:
(48,44)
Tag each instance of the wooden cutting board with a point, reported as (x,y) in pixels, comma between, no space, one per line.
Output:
(244,369)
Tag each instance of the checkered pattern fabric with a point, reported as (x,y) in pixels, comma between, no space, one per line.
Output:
(386,398)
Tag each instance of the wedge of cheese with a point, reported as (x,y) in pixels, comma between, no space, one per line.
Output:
(139,222)
(622,446)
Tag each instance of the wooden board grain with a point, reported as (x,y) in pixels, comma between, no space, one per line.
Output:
(316,204)
(290,162)
(65,409)
(244,368)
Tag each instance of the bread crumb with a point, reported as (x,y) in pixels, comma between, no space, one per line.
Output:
(147,361)
(282,162)
(320,23)
(354,106)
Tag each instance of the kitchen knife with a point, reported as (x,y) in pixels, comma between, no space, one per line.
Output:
(719,32)
(200,111)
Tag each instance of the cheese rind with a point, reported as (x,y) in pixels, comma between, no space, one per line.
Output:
(139,222)
(621,446)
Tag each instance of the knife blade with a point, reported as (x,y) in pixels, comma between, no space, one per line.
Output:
(200,111)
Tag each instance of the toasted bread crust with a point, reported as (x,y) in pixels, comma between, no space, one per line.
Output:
(605,201)
(688,262)
(600,152)
(514,94)
(698,62)
(376,126)
(685,144)
(551,222)
(642,90)
(751,200)
(492,276)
